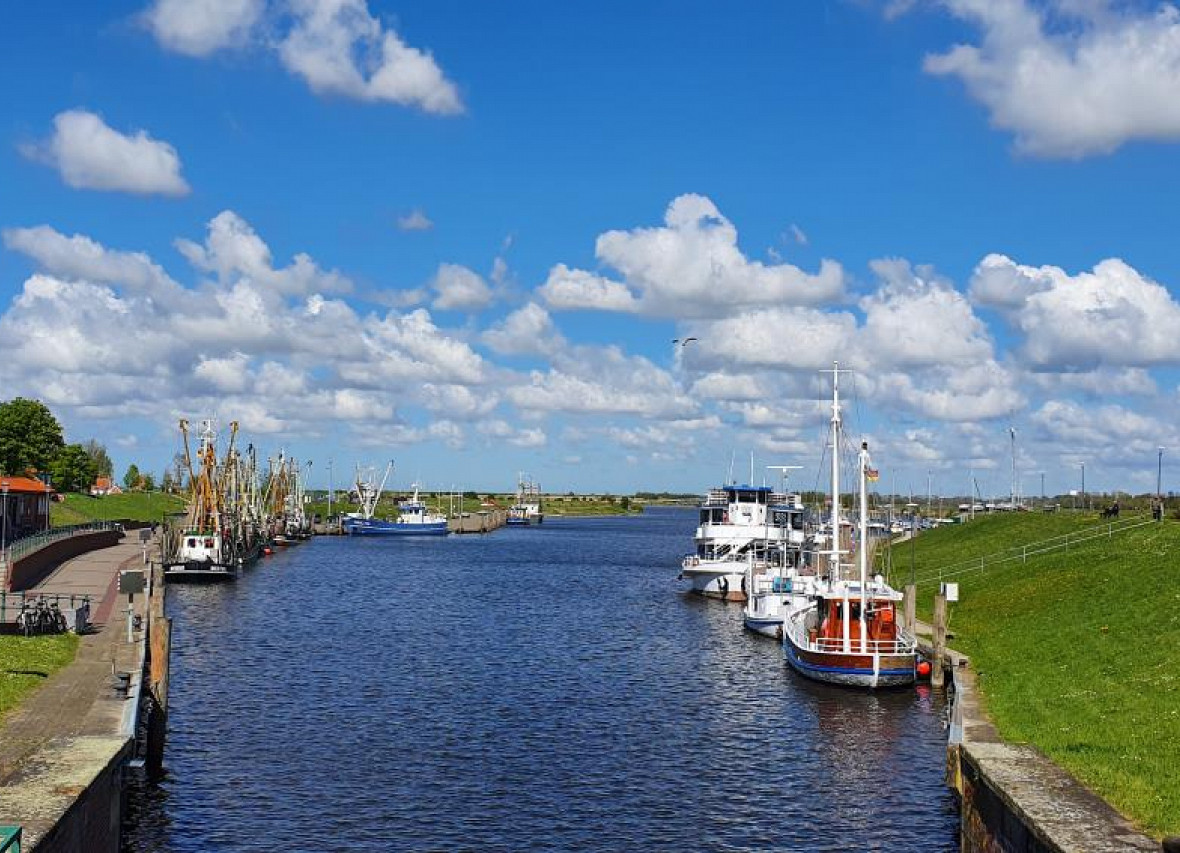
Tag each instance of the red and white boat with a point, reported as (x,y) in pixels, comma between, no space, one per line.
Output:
(846,631)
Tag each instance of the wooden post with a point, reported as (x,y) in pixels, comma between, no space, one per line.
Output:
(911,618)
(936,674)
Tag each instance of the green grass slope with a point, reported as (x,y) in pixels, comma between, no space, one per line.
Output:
(25,663)
(137,506)
(1078,651)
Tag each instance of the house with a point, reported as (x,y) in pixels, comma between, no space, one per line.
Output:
(105,486)
(24,507)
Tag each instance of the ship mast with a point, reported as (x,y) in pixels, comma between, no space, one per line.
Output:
(864,543)
(834,556)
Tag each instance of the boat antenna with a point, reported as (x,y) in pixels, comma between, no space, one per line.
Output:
(730,481)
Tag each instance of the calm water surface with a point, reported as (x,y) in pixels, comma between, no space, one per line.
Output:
(549,688)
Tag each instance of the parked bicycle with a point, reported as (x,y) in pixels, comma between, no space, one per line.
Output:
(41,617)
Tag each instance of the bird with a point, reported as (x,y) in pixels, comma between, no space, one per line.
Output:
(683,342)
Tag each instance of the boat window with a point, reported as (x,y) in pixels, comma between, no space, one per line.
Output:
(192,543)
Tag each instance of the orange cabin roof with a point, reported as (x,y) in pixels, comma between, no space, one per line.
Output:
(26,485)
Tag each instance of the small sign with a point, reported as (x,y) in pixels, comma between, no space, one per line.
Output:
(951,591)
(145,534)
(132,581)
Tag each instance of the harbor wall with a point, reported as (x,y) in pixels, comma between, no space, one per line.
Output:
(92,820)
(1012,798)
(30,570)
(478,522)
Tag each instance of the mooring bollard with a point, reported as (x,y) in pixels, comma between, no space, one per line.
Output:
(936,674)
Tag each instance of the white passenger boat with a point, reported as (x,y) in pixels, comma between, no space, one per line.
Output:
(740,527)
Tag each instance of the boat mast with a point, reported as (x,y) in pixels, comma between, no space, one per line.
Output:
(834,556)
(864,543)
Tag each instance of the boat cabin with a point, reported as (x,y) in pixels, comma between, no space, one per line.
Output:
(828,630)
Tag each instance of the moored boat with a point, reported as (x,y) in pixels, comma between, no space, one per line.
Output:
(414,517)
(846,631)
(526,509)
(738,531)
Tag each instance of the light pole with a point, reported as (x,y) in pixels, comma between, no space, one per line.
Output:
(1159,477)
(329,487)
(1083,487)
(4,533)
(913,508)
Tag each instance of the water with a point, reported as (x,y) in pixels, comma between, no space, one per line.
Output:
(548,688)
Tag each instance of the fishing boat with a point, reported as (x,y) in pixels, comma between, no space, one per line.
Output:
(212,542)
(846,631)
(526,509)
(738,534)
(413,519)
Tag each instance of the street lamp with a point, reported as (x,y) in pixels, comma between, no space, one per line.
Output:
(1159,477)
(913,508)
(1083,487)
(4,531)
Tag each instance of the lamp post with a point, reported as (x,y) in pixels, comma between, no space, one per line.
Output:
(913,508)
(1083,487)
(1159,477)
(4,532)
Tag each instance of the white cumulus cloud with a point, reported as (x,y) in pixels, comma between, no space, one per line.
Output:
(691,266)
(459,289)
(201,27)
(91,155)
(1071,79)
(339,48)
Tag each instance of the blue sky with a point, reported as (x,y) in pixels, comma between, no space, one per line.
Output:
(968,202)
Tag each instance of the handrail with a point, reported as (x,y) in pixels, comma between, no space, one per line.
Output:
(1023,552)
(20,548)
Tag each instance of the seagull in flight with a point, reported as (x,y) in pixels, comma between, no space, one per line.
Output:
(685,342)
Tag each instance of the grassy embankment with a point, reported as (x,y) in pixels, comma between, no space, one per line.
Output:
(137,506)
(25,663)
(1078,651)
(552,505)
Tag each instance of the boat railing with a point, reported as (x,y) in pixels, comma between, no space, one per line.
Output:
(855,645)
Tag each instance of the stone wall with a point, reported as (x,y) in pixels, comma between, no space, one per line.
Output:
(28,571)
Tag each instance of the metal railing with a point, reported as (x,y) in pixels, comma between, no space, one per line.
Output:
(12,603)
(1021,553)
(10,838)
(21,548)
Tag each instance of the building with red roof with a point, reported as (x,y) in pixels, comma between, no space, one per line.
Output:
(24,507)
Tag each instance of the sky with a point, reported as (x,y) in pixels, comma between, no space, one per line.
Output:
(464,236)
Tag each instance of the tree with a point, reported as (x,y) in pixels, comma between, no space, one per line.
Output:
(149,482)
(30,436)
(102,461)
(167,484)
(131,478)
(72,469)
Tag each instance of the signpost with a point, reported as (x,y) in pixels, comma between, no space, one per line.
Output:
(131,581)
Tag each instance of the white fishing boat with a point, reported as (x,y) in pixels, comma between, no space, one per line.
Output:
(211,543)
(846,631)
(738,531)
(526,509)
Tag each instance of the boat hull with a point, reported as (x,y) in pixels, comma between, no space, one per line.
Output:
(851,670)
(768,626)
(200,572)
(378,527)
(723,583)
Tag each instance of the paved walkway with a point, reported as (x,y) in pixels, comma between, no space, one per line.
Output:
(80,699)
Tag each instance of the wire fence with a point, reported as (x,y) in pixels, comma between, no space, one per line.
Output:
(13,603)
(1021,553)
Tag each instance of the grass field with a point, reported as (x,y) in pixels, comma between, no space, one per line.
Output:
(137,506)
(25,663)
(556,505)
(1078,652)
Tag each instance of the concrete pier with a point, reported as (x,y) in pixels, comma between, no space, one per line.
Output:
(484,521)
(63,751)
(1014,798)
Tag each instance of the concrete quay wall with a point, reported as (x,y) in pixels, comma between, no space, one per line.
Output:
(1013,799)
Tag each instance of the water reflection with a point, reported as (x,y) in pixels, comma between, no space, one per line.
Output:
(545,688)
